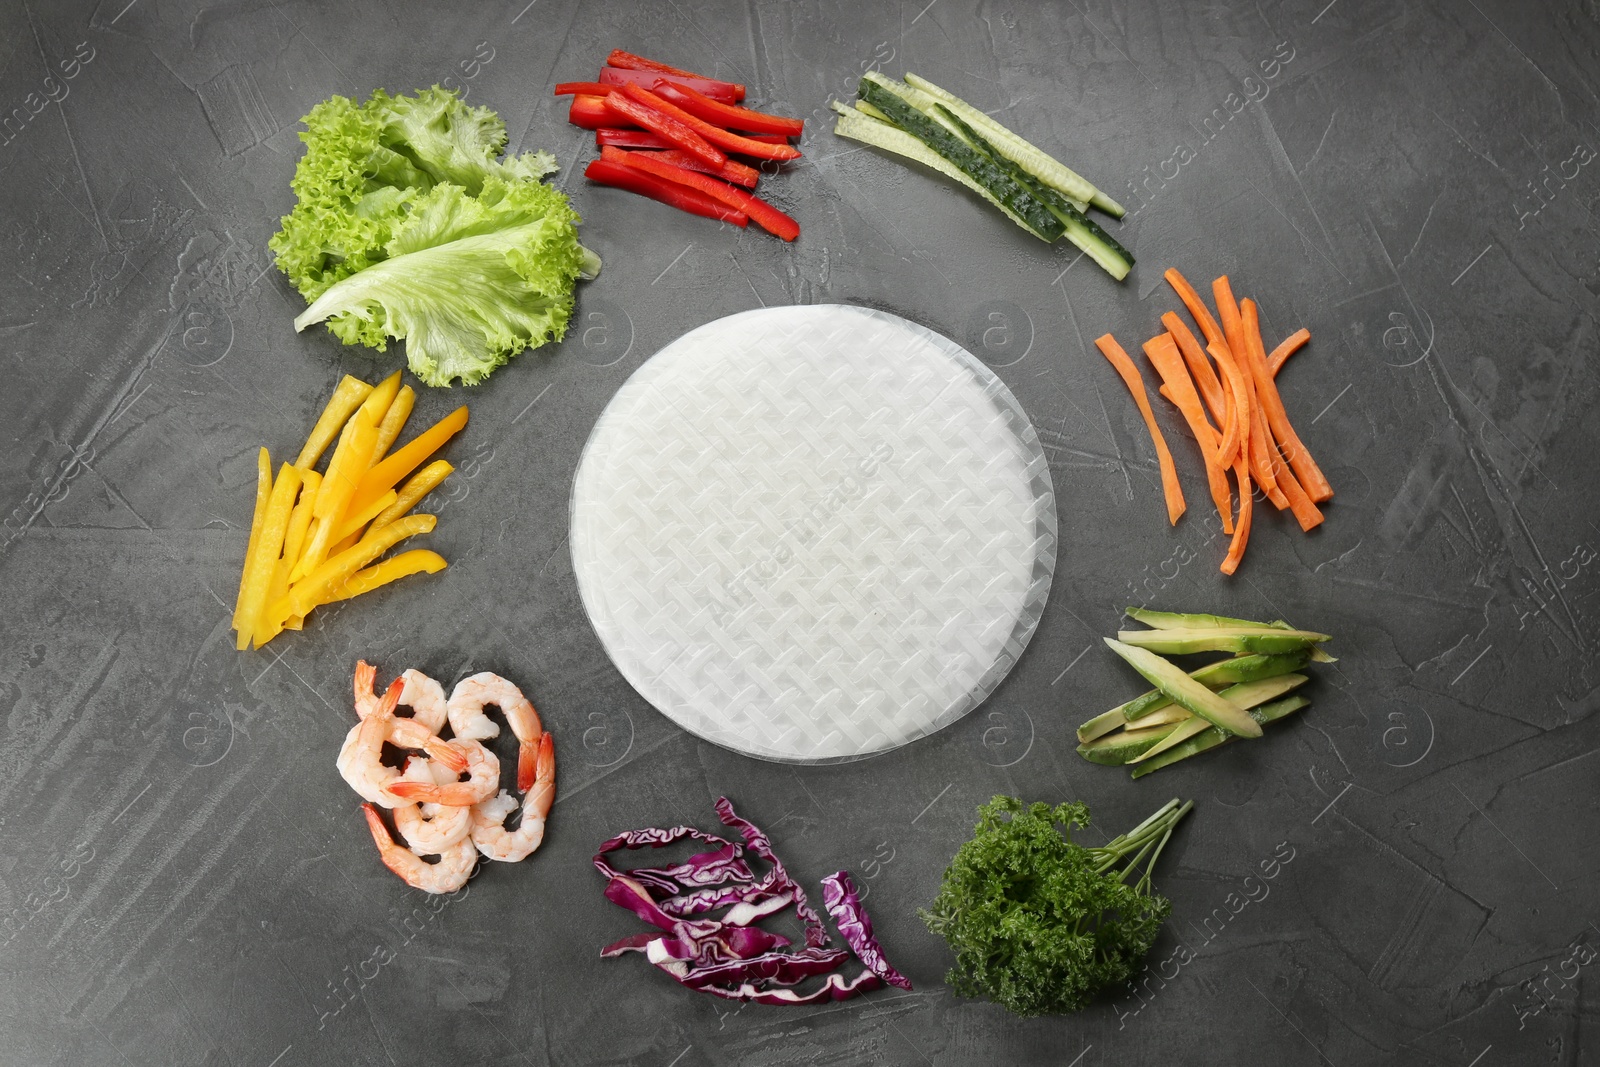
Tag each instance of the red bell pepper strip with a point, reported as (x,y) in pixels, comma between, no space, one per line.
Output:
(681,134)
(647,78)
(591,113)
(629,61)
(719,137)
(726,115)
(583,89)
(681,197)
(646,139)
(765,215)
(732,171)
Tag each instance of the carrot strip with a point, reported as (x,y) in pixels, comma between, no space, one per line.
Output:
(1307,514)
(1299,457)
(1210,387)
(1130,376)
(1241,529)
(1236,433)
(1196,306)
(1261,464)
(1162,352)
(1281,354)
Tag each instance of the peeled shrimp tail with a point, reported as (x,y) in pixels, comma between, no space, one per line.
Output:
(482,767)
(488,818)
(449,874)
(365,698)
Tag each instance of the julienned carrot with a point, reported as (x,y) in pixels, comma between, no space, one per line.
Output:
(1261,462)
(1298,456)
(1307,514)
(1210,387)
(1196,306)
(1241,529)
(1130,376)
(1162,352)
(1235,436)
(1289,347)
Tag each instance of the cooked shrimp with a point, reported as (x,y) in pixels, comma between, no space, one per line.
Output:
(449,874)
(423,695)
(430,828)
(472,695)
(360,758)
(482,766)
(488,817)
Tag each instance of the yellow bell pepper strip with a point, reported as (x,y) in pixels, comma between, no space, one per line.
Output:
(264,558)
(344,474)
(349,395)
(354,522)
(263,492)
(394,420)
(308,592)
(385,474)
(421,484)
(417,561)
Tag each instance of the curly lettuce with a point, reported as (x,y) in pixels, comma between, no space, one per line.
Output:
(409,225)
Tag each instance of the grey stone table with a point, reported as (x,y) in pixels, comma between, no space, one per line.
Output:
(185,880)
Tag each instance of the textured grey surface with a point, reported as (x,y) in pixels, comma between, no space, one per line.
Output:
(185,880)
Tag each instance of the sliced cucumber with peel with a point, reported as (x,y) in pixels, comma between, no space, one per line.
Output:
(1125,746)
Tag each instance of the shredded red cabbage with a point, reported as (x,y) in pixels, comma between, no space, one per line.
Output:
(816,933)
(729,956)
(834,987)
(840,898)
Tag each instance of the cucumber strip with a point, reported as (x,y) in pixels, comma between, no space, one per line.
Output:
(1213,737)
(1176,620)
(889,98)
(1126,746)
(1035,160)
(858,127)
(1106,722)
(1216,675)
(1185,691)
(1079,228)
(871,112)
(1263,640)
(1245,695)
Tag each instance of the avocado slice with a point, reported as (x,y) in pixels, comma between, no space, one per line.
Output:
(1185,691)
(1125,746)
(1262,639)
(1176,620)
(1212,676)
(1212,737)
(1246,695)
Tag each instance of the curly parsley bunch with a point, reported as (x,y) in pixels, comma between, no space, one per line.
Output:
(1039,923)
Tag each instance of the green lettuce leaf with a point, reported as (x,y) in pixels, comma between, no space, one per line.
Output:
(468,281)
(420,178)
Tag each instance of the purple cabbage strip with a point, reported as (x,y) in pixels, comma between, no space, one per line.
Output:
(654,837)
(840,898)
(754,897)
(833,988)
(816,933)
(723,946)
(781,968)
(631,943)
